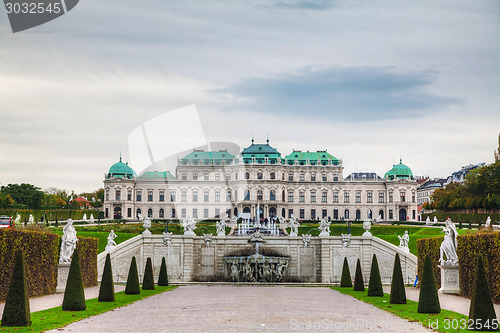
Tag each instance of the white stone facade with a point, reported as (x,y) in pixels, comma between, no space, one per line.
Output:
(309,191)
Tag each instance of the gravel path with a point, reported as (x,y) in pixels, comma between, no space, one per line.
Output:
(246,309)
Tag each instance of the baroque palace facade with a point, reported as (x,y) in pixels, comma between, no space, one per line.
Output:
(309,185)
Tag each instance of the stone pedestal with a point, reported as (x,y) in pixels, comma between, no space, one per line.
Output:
(450,281)
(62,277)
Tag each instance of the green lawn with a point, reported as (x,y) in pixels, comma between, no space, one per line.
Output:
(55,317)
(441,322)
(102,236)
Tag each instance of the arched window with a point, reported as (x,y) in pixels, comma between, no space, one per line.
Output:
(259,195)
(246,210)
(346,214)
(358,214)
(162,213)
(381,214)
(369,213)
(172,213)
(283,211)
(150,212)
(272,195)
(272,175)
(138,212)
(283,198)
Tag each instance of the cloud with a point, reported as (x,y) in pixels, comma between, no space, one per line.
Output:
(345,93)
(307,4)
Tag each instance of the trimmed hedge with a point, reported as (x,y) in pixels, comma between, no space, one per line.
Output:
(486,244)
(62,214)
(457,217)
(17,306)
(41,254)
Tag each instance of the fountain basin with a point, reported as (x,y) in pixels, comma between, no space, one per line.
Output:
(257,268)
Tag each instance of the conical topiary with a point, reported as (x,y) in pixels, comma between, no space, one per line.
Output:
(359,284)
(74,295)
(428,300)
(481,305)
(375,284)
(346,281)
(163,277)
(133,287)
(398,293)
(107,289)
(17,306)
(148,283)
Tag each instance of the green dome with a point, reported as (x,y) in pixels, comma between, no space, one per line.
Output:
(399,171)
(121,170)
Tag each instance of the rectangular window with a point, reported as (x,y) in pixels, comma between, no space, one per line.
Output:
(390,197)
(272,195)
(195,213)
(183,196)
(107,195)
(381,197)
(272,175)
(217,196)
(290,177)
(129,195)
(313,196)
(369,197)
(217,213)
(324,177)
(302,177)
(323,213)
(205,213)
(228,195)
(139,196)
(217,176)
(346,196)
(413,197)
(335,178)
(313,177)
(301,197)
(324,197)
(335,214)
(358,197)
(313,214)
(117,195)
(183,212)
(413,214)
(236,176)
(259,175)
(150,195)
(195,196)
(129,212)
(290,213)
(172,196)
(195,175)
(228,176)
(106,213)
(390,214)
(335,196)
(172,213)
(247,175)
(162,195)
(205,176)
(205,196)
(402,196)
(184,176)
(301,213)
(290,196)
(247,194)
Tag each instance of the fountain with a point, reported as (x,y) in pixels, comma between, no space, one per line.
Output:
(257,267)
(245,229)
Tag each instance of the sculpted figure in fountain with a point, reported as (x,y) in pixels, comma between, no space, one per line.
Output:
(167,238)
(189,225)
(235,272)
(306,239)
(221,228)
(449,245)
(294,226)
(324,226)
(248,270)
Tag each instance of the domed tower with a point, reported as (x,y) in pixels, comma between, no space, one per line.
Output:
(119,184)
(399,171)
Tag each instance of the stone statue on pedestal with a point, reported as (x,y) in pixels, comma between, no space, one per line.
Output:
(189,225)
(221,228)
(448,247)
(324,227)
(294,226)
(68,243)
(111,241)
(403,242)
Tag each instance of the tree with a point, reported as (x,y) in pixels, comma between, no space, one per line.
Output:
(375,285)
(132,287)
(74,295)
(428,300)
(148,283)
(398,293)
(163,277)
(359,284)
(107,289)
(17,307)
(25,194)
(481,305)
(346,281)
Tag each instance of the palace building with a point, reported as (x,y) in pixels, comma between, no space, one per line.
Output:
(309,185)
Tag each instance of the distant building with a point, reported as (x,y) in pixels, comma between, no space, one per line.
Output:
(426,189)
(459,176)
(81,202)
(308,184)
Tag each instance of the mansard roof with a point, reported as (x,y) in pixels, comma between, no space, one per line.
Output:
(311,157)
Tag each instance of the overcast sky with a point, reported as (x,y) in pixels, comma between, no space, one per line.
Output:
(369,81)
